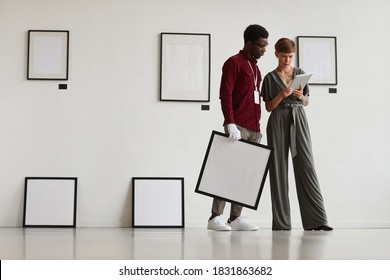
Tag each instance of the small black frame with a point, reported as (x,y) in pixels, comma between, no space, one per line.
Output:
(50,202)
(158,202)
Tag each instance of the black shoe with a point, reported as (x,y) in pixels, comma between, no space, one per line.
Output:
(323,227)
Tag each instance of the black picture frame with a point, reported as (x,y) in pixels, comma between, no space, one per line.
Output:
(185,67)
(318,55)
(158,202)
(48,55)
(234,171)
(50,202)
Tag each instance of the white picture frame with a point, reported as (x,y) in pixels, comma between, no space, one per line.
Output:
(234,171)
(318,55)
(48,55)
(50,202)
(158,202)
(185,67)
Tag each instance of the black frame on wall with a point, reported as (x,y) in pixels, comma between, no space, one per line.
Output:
(318,55)
(48,55)
(185,67)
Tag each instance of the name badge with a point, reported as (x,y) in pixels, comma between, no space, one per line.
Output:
(257,97)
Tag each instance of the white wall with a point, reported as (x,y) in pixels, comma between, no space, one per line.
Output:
(110,126)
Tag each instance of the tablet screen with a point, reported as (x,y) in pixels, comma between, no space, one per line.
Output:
(301,79)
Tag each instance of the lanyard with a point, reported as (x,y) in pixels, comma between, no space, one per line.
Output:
(256,93)
(254,74)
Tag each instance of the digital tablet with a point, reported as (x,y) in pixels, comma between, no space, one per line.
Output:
(301,79)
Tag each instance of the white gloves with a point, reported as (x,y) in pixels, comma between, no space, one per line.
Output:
(234,133)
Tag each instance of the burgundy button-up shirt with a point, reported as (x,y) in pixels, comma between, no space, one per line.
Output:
(237,92)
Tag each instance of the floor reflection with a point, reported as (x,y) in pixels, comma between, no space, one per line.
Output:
(312,245)
(43,243)
(191,244)
(281,245)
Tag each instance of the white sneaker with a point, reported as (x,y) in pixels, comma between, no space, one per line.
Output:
(218,224)
(242,224)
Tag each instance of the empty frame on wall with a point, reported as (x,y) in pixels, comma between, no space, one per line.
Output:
(185,67)
(234,171)
(50,202)
(158,202)
(48,55)
(318,55)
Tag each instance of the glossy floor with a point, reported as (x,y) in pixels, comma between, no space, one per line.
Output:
(192,244)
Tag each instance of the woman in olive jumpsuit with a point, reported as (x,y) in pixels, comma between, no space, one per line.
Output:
(287,129)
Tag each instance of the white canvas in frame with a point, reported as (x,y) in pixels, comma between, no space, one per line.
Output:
(318,55)
(185,67)
(234,171)
(158,202)
(50,202)
(48,52)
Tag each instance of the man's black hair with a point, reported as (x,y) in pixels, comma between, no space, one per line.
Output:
(254,32)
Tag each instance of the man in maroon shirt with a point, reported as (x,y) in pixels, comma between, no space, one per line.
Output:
(240,102)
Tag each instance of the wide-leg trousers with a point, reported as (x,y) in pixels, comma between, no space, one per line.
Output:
(288,129)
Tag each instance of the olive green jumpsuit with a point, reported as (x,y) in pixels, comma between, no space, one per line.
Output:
(287,129)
